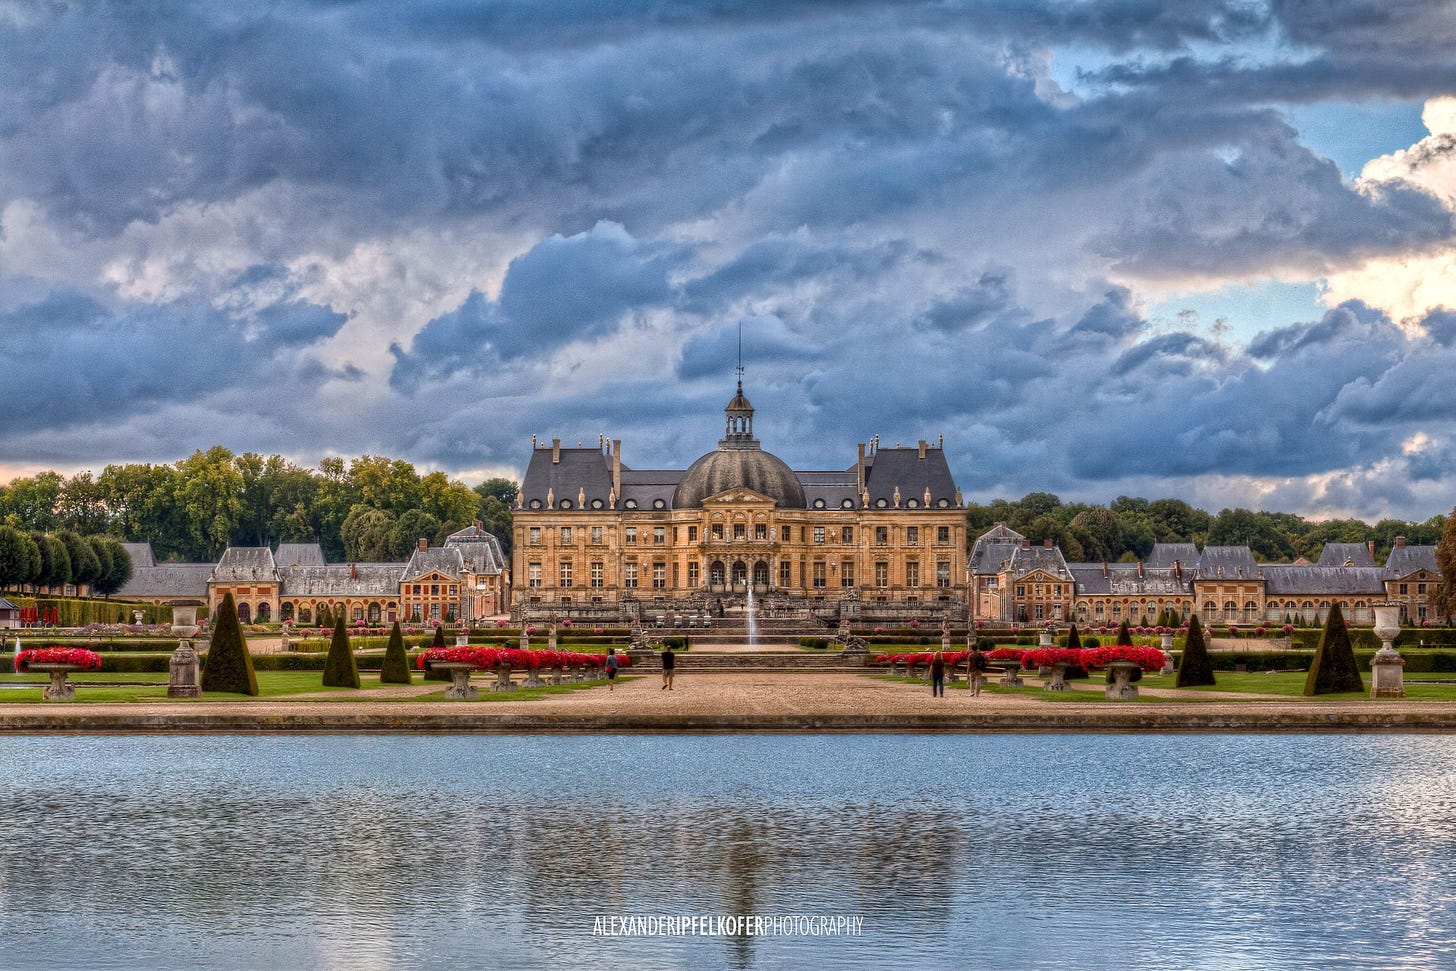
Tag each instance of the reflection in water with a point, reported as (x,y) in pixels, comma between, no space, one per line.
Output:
(999,851)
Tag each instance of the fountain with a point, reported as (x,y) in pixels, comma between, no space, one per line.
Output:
(752,620)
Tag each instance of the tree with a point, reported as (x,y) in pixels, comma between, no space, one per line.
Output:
(1098,532)
(1074,643)
(1446,563)
(209,496)
(229,666)
(1261,532)
(411,526)
(1334,668)
(1124,635)
(55,561)
(81,505)
(325,616)
(1195,667)
(19,558)
(396,663)
(439,641)
(118,572)
(340,671)
(366,535)
(1174,521)
(106,557)
(85,567)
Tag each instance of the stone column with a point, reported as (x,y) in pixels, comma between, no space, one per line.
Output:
(1387,667)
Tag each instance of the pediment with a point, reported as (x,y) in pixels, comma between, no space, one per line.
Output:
(739,496)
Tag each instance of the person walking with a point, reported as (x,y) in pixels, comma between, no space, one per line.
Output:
(975,664)
(669,662)
(611,667)
(937,675)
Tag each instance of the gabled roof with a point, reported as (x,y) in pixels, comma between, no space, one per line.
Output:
(1288,580)
(241,563)
(7,605)
(1028,559)
(903,468)
(299,554)
(1227,563)
(581,474)
(343,580)
(141,555)
(991,547)
(1339,554)
(1405,560)
(1164,555)
(480,550)
(179,580)
(447,560)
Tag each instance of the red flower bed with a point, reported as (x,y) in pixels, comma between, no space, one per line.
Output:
(78,656)
(1147,658)
(1006,654)
(483,658)
(1048,656)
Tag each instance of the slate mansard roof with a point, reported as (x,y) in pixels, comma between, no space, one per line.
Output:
(1285,580)
(1405,560)
(1338,554)
(243,563)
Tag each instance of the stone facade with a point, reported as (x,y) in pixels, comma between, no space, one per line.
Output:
(595,538)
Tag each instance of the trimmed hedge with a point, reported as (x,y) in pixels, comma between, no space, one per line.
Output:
(817,643)
(230,664)
(1195,667)
(1334,668)
(340,671)
(395,669)
(80,611)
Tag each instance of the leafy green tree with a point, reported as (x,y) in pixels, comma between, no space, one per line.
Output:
(104,556)
(1260,531)
(1175,521)
(19,558)
(366,535)
(1446,563)
(1098,531)
(118,568)
(85,567)
(35,500)
(1124,635)
(229,666)
(340,669)
(1334,668)
(1195,667)
(396,663)
(81,505)
(209,494)
(411,526)
(55,561)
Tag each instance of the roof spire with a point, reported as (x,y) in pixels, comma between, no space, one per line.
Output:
(740,356)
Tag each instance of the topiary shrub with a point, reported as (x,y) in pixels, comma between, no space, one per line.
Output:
(229,666)
(1074,643)
(1124,635)
(430,673)
(1334,668)
(396,664)
(1195,667)
(340,671)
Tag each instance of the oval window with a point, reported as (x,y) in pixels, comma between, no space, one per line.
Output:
(535,503)
(659,504)
(630,504)
(818,503)
(596,504)
(564,504)
(848,504)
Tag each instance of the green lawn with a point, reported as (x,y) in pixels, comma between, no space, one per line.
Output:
(1285,684)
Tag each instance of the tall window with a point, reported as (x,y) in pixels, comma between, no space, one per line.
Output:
(692,534)
(659,534)
(565,535)
(692,574)
(819,576)
(846,534)
(596,535)
(740,531)
(942,534)
(631,534)
(882,535)
(786,573)
(565,573)
(846,573)
(818,534)
(912,574)
(717,530)
(760,531)
(882,573)
(912,535)
(629,576)
(535,535)
(942,573)
(659,576)
(597,571)
(533,574)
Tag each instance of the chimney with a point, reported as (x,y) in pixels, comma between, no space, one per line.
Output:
(1370,545)
(1178,570)
(424,544)
(1400,542)
(353,572)
(859,470)
(1104,568)
(922,448)
(479,524)
(555,451)
(1025,543)
(1140,569)
(1046,544)
(617,466)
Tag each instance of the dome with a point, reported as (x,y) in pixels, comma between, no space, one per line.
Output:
(739,468)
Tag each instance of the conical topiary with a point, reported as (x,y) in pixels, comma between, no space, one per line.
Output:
(1074,643)
(340,671)
(1195,667)
(229,666)
(325,616)
(396,664)
(439,641)
(1334,668)
(1124,635)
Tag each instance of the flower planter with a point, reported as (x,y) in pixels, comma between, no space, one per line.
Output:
(1122,688)
(460,687)
(1011,674)
(59,689)
(1058,680)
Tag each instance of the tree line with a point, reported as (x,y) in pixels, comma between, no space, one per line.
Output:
(56,559)
(1126,528)
(367,509)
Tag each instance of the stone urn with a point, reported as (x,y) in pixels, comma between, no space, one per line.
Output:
(503,679)
(1122,688)
(1165,642)
(462,637)
(59,689)
(1011,674)
(184,670)
(460,687)
(1058,680)
(1387,667)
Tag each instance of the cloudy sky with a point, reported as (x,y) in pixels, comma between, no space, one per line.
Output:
(1201,249)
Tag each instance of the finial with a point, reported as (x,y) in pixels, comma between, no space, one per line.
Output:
(740,355)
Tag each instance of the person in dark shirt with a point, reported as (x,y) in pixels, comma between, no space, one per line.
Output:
(937,675)
(669,662)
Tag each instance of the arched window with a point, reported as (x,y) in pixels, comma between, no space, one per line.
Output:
(1210,610)
(245,613)
(375,613)
(286,612)
(265,611)
(1117,611)
(740,573)
(715,573)
(1099,614)
(760,574)
(1251,611)
(305,615)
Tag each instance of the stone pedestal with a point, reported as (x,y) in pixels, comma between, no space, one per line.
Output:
(533,678)
(525,642)
(1011,678)
(462,638)
(184,671)
(503,679)
(1387,667)
(460,687)
(1166,645)
(555,676)
(59,689)
(1058,680)
(1122,688)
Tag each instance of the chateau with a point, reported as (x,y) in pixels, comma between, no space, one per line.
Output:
(1015,581)
(593,536)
